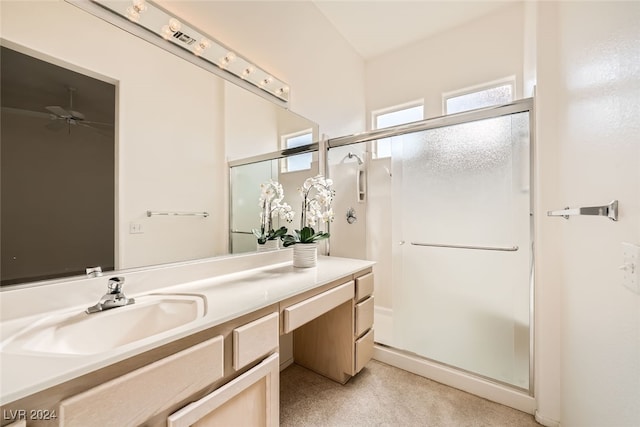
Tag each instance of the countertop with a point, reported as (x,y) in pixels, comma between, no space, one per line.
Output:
(228,296)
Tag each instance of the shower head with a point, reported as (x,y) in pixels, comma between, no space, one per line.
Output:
(358,158)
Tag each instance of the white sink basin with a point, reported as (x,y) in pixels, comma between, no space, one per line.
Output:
(78,333)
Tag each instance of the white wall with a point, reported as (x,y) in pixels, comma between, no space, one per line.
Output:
(251,123)
(483,50)
(588,98)
(296,43)
(168,156)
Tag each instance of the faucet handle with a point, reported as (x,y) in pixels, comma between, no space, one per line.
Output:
(115,285)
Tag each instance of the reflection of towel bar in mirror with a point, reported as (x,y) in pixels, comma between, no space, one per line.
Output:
(242,232)
(610,211)
(482,248)
(153,213)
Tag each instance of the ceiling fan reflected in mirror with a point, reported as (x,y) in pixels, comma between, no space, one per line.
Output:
(70,117)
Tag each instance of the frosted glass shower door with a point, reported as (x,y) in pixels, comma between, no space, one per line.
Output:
(462,255)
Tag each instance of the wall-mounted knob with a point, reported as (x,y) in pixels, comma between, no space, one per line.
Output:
(351,216)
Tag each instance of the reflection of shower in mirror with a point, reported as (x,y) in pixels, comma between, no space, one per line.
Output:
(358,158)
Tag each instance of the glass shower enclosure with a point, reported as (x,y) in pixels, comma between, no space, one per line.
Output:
(457,288)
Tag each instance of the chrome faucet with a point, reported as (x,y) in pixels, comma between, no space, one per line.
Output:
(113,298)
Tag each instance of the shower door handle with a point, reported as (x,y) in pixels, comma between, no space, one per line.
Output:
(610,211)
(481,248)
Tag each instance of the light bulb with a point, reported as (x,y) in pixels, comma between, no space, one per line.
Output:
(229,57)
(283,90)
(174,25)
(201,46)
(139,5)
(166,32)
(245,73)
(266,81)
(132,14)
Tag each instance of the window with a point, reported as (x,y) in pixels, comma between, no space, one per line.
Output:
(394,116)
(298,162)
(487,95)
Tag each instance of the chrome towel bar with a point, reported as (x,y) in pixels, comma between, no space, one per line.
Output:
(204,214)
(241,232)
(481,248)
(610,211)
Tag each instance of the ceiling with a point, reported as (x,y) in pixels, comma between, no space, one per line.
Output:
(376,27)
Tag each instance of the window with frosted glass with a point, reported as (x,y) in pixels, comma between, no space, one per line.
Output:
(488,97)
(300,161)
(382,147)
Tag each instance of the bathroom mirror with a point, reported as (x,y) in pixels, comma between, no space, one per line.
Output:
(175,128)
(246,176)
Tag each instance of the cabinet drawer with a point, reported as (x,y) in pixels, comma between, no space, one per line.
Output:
(364,350)
(254,340)
(364,316)
(145,392)
(298,314)
(252,399)
(364,286)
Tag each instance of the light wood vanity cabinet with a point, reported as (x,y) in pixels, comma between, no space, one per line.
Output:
(249,400)
(363,331)
(332,329)
(225,375)
(147,391)
(143,396)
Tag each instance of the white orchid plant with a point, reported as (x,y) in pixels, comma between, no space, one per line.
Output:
(317,196)
(271,206)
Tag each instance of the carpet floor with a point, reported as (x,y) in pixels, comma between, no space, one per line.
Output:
(382,395)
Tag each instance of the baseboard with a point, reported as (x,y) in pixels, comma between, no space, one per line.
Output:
(547,422)
(284,364)
(488,390)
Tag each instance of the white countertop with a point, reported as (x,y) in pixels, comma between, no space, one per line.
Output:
(228,296)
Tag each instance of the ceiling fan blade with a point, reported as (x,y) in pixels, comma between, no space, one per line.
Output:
(38,114)
(76,115)
(90,122)
(102,132)
(59,111)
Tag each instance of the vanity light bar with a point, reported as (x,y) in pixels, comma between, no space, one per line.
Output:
(170,32)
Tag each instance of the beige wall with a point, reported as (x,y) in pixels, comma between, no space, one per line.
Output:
(295,42)
(588,104)
(486,49)
(166,161)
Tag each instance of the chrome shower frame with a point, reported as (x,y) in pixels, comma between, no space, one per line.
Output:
(519,106)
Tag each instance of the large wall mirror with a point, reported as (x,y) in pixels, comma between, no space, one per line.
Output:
(168,140)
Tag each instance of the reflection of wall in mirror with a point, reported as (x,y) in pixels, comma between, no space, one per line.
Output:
(170,130)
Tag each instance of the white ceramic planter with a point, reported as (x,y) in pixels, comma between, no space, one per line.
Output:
(269,245)
(305,255)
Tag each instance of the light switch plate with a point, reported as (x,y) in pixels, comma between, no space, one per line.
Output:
(135,228)
(630,266)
